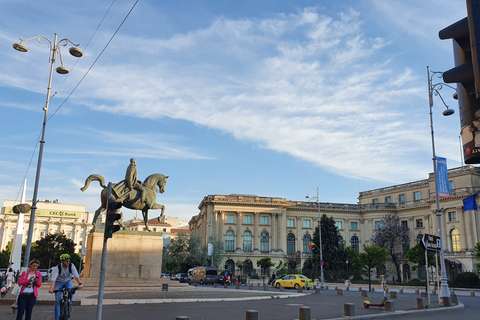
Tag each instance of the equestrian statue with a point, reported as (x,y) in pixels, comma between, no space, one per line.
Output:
(131,193)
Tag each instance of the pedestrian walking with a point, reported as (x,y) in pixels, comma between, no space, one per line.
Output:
(30,280)
(10,277)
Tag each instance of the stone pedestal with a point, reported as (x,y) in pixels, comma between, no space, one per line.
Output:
(133,259)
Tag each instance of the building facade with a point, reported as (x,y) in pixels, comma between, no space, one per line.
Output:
(167,230)
(253,227)
(50,217)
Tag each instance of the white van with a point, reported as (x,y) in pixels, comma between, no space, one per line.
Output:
(203,275)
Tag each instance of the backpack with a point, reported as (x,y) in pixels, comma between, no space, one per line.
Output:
(60,268)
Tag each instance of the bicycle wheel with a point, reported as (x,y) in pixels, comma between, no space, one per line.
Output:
(65,311)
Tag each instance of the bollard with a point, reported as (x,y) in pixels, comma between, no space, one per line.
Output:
(400,290)
(182,318)
(389,306)
(265,287)
(393,295)
(250,286)
(419,303)
(252,315)
(281,289)
(215,285)
(472,293)
(300,290)
(453,299)
(305,313)
(317,290)
(339,292)
(364,293)
(195,284)
(237,285)
(416,290)
(225,285)
(424,294)
(349,310)
(446,301)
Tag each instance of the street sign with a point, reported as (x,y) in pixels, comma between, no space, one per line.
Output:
(322,262)
(431,242)
(210,248)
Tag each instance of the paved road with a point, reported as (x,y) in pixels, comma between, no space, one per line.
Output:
(325,306)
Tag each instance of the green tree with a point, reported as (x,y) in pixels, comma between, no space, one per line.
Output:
(8,250)
(265,263)
(391,236)
(281,268)
(4,260)
(48,250)
(477,254)
(372,257)
(417,255)
(334,254)
(188,252)
(217,250)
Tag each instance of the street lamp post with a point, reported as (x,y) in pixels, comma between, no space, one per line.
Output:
(322,279)
(432,89)
(54,50)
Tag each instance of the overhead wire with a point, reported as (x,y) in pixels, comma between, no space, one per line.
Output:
(81,80)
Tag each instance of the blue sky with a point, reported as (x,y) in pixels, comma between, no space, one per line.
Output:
(272,98)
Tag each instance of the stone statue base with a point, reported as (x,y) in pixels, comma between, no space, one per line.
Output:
(133,259)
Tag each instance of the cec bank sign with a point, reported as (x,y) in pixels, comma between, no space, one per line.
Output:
(50,213)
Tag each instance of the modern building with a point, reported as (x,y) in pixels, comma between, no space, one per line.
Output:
(254,227)
(50,217)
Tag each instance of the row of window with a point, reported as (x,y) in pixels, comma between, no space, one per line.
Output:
(264,220)
(416,195)
(291,242)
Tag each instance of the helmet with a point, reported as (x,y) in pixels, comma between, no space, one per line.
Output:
(64,256)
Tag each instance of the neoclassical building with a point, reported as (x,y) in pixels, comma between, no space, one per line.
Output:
(253,227)
(50,217)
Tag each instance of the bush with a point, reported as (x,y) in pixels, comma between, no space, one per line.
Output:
(416,282)
(466,280)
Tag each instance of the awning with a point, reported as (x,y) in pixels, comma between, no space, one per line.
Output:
(454,261)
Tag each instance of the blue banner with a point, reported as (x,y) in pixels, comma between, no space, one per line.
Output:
(442,178)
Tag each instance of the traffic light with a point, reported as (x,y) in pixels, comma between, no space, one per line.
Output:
(112,216)
(466,35)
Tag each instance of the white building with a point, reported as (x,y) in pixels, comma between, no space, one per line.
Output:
(50,217)
(254,227)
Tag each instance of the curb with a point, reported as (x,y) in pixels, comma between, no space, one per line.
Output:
(403,312)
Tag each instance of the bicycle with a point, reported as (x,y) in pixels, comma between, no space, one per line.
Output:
(65,306)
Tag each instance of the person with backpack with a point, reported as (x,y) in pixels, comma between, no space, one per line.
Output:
(62,277)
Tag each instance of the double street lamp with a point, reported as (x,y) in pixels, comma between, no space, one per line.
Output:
(433,90)
(317,198)
(54,51)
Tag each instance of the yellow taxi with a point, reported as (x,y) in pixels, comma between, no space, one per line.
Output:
(294,281)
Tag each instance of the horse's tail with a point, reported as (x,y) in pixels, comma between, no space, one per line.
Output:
(93,177)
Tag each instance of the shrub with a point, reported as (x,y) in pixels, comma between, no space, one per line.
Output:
(466,280)
(416,282)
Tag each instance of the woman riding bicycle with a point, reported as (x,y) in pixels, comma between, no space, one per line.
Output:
(62,278)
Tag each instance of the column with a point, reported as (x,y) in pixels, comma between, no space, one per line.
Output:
(282,232)
(238,236)
(255,231)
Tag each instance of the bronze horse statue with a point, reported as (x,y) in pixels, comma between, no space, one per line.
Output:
(131,199)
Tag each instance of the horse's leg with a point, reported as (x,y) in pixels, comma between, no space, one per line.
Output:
(159,206)
(145,218)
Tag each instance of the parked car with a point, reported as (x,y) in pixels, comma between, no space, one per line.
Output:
(294,281)
(180,277)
